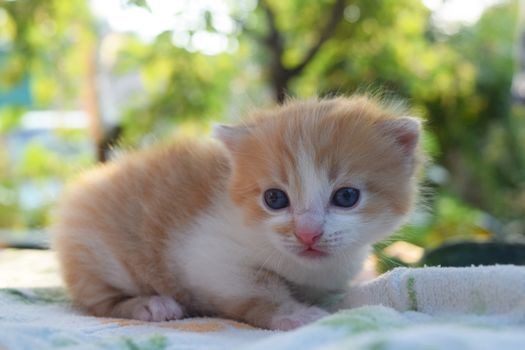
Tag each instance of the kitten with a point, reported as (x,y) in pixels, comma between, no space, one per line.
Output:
(259,227)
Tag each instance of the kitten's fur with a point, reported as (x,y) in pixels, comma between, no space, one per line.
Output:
(183,230)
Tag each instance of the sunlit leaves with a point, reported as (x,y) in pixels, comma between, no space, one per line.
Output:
(139,3)
(179,86)
(459,83)
(48,42)
(10,117)
(39,162)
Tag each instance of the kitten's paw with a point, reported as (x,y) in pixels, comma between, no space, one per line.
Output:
(157,309)
(297,318)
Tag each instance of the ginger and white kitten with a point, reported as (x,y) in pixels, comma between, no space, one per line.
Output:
(258,227)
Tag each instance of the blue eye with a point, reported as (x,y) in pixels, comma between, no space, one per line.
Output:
(345,197)
(276,199)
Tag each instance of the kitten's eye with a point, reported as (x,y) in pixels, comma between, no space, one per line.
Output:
(345,197)
(276,199)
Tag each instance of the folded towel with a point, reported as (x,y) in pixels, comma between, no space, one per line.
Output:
(440,290)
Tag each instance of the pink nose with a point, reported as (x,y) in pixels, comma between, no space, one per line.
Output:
(308,236)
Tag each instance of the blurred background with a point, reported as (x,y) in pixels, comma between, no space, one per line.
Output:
(83,81)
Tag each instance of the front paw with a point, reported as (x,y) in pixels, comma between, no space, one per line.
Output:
(156,309)
(297,318)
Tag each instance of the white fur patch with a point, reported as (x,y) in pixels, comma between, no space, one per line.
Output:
(218,254)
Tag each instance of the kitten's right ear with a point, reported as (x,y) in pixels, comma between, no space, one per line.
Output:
(230,136)
(405,130)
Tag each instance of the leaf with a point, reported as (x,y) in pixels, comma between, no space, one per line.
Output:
(139,3)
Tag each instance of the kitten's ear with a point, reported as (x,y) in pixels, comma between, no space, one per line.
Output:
(405,130)
(230,136)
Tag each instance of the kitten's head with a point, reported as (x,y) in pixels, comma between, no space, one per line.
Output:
(324,177)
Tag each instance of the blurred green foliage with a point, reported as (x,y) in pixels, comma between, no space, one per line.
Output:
(180,86)
(459,82)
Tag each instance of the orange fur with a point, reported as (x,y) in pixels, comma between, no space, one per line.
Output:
(129,206)
(118,227)
(343,140)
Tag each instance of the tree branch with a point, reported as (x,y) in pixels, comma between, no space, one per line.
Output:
(249,31)
(274,38)
(324,35)
(274,41)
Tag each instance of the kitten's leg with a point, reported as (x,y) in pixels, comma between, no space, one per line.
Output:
(155,308)
(101,299)
(279,316)
(296,316)
(100,284)
(270,305)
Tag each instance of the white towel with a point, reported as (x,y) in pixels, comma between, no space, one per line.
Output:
(482,290)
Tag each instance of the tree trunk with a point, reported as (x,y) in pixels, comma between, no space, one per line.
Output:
(517,111)
(280,82)
(274,41)
(518,83)
(91,105)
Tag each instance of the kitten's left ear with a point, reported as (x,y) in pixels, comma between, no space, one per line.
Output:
(405,130)
(230,136)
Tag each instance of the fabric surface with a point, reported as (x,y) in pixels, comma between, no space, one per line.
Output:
(438,308)
(439,290)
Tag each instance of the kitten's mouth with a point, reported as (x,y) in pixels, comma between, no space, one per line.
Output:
(311,252)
